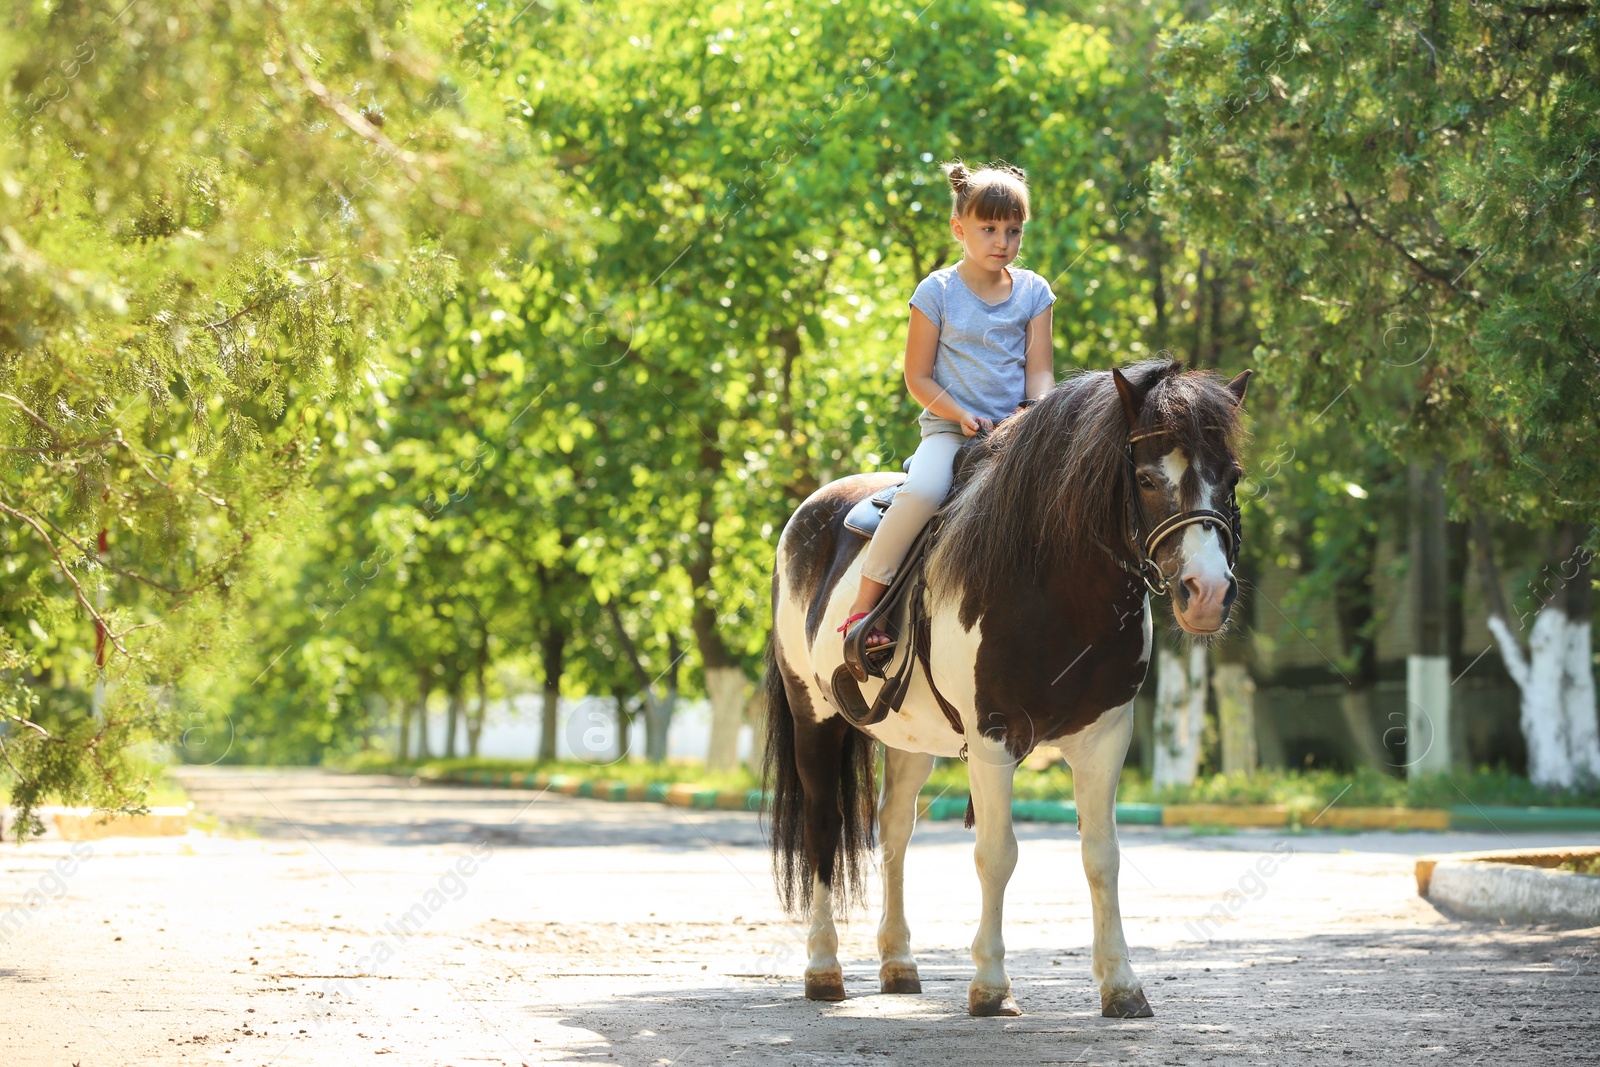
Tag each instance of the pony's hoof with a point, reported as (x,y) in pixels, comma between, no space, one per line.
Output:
(987,1003)
(1130,1005)
(825,985)
(899,978)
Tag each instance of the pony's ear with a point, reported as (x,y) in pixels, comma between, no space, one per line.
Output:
(1238,386)
(1132,397)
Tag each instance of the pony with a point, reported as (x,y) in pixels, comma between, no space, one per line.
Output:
(1113,486)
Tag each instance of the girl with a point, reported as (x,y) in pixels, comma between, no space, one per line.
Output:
(979,344)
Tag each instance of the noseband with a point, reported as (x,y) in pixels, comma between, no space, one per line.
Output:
(1144,545)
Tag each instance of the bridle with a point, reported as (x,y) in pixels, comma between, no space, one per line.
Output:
(1144,545)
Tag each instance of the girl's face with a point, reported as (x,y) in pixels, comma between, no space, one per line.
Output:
(989,243)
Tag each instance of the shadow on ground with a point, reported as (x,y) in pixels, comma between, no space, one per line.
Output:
(1506,996)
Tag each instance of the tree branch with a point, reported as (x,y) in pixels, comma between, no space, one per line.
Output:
(32,414)
(628,648)
(83,599)
(184,592)
(1405,253)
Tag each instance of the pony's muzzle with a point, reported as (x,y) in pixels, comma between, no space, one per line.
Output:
(1203,601)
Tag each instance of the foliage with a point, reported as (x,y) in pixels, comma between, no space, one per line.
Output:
(628,418)
(1413,186)
(211,214)
(402,359)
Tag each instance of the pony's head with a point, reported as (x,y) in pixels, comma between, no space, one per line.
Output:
(1182,472)
(1100,463)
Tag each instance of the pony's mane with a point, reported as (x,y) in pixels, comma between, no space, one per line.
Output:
(1052,480)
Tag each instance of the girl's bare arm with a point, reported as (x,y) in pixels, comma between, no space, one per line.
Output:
(922,344)
(1041,359)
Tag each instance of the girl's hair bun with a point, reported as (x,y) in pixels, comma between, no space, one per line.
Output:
(995,191)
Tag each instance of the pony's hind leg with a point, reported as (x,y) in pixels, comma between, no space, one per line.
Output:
(825,756)
(824,976)
(1096,766)
(990,769)
(903,775)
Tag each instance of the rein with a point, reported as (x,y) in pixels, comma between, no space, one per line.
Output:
(1144,545)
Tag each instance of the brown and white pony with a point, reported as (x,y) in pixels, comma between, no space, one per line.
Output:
(1040,631)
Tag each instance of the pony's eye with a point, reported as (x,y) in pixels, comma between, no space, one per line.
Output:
(1146,482)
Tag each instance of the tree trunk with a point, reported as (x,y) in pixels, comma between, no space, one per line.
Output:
(787,341)
(403,709)
(1554,674)
(1158,286)
(1236,716)
(1214,345)
(1231,677)
(658,712)
(1355,708)
(477,717)
(624,723)
(1180,715)
(1197,303)
(725,686)
(452,718)
(424,690)
(1428,733)
(725,681)
(756,712)
(553,648)
(1355,605)
(1582,723)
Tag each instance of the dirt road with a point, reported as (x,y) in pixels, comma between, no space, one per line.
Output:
(363,917)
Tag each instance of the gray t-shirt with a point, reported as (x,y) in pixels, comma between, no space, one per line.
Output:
(981,361)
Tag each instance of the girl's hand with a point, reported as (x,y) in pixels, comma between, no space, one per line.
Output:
(971,425)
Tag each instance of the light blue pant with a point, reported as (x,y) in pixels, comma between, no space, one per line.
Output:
(926,486)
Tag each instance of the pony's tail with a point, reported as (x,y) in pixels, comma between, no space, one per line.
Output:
(785,798)
(845,871)
(858,836)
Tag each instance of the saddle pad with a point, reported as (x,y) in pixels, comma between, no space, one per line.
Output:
(864,517)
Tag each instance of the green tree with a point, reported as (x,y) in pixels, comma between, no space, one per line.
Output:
(213,213)
(1413,186)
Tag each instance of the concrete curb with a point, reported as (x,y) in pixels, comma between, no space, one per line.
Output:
(1224,815)
(1381,819)
(1260,816)
(1517,886)
(1476,817)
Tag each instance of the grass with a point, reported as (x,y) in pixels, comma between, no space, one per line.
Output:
(1365,788)
(673,772)
(1582,866)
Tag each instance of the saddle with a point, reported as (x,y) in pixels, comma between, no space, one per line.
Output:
(863,518)
(901,612)
(867,513)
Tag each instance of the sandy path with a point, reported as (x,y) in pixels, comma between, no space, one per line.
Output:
(445,925)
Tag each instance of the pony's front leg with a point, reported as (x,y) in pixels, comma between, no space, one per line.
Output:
(903,775)
(1095,769)
(990,769)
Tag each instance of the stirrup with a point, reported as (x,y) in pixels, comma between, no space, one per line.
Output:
(866,662)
